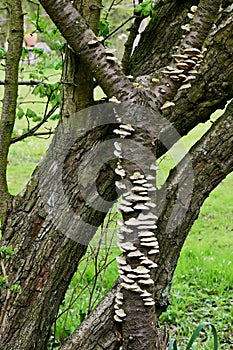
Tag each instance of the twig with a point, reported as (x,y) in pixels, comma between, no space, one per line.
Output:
(32,131)
(39,134)
(82,290)
(116,30)
(109,9)
(29,82)
(8,295)
(111,6)
(3,268)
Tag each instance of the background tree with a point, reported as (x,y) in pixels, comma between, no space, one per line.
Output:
(45,260)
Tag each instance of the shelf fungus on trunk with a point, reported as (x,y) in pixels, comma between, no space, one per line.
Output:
(183,67)
(137,240)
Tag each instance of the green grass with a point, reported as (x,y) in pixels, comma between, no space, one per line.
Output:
(23,158)
(203,282)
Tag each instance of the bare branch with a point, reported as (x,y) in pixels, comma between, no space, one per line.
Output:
(202,20)
(119,27)
(29,82)
(72,26)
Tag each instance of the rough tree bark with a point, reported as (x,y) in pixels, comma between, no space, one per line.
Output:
(45,260)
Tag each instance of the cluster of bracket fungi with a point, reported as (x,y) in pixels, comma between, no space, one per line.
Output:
(183,69)
(136,233)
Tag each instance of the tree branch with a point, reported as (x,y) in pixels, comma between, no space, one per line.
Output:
(118,28)
(72,26)
(201,24)
(29,82)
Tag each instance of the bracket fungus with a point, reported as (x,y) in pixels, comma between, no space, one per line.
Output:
(149,303)
(120,313)
(127,246)
(145,294)
(93,42)
(118,319)
(122,133)
(141,270)
(146,281)
(127,127)
(111,58)
(134,254)
(153,251)
(167,104)
(145,234)
(136,176)
(120,172)
(140,206)
(136,235)
(193,8)
(185,86)
(121,260)
(136,198)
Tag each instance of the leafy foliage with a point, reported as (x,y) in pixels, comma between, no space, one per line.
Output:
(144,9)
(2,52)
(51,91)
(104,28)
(5,254)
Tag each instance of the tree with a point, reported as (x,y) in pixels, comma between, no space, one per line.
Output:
(45,260)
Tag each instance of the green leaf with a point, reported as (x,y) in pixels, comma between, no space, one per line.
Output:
(39,90)
(39,22)
(24,53)
(172,345)
(30,113)
(38,51)
(197,332)
(36,119)
(144,9)
(6,252)
(55,117)
(3,281)
(104,28)
(20,113)
(138,10)
(16,288)
(2,52)
(57,45)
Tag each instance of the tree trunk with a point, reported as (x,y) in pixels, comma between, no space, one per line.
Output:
(10,95)
(94,334)
(45,257)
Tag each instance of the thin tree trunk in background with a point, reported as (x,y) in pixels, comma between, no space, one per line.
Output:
(7,121)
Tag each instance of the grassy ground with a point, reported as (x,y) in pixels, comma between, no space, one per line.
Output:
(203,283)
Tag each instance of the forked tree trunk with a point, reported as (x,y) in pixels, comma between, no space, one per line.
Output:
(45,259)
